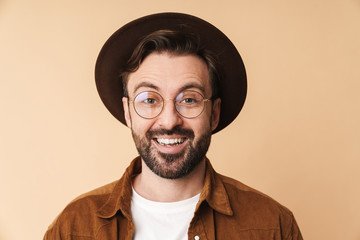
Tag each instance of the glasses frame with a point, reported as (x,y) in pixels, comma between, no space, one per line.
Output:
(173,100)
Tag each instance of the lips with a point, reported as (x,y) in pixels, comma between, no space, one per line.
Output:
(170,141)
(170,145)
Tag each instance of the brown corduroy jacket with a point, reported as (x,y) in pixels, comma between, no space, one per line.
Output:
(227,209)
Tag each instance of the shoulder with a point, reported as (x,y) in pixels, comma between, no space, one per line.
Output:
(239,192)
(81,209)
(96,196)
(90,202)
(256,210)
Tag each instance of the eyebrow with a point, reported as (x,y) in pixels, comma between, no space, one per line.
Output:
(183,88)
(147,85)
(193,85)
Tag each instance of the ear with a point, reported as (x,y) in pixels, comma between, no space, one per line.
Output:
(126,111)
(215,115)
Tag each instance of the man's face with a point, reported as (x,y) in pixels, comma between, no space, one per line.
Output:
(171,145)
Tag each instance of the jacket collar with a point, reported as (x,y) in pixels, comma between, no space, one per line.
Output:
(213,192)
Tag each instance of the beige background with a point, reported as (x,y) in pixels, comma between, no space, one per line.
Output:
(297,138)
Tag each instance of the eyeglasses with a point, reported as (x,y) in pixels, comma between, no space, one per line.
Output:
(188,104)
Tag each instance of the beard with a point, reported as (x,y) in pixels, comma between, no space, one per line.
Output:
(172,166)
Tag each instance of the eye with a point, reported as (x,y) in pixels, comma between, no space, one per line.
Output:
(149,101)
(189,100)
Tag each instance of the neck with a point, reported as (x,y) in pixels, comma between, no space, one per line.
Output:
(155,188)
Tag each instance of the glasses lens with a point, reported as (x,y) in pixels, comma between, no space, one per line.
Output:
(148,104)
(189,104)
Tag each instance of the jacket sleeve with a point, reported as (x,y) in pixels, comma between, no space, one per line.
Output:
(57,230)
(52,234)
(293,232)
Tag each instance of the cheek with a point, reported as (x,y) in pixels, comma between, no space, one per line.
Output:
(139,125)
(201,126)
(207,116)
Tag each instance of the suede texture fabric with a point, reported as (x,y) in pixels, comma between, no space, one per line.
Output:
(227,209)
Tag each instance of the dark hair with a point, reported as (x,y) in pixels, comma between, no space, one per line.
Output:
(173,42)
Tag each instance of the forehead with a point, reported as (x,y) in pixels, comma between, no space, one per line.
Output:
(169,74)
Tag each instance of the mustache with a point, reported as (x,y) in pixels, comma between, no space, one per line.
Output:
(176,130)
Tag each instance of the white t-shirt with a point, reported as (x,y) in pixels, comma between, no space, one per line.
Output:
(162,220)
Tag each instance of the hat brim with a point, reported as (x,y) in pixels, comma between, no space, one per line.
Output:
(119,47)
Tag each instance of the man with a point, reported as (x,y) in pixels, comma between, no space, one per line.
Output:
(174,80)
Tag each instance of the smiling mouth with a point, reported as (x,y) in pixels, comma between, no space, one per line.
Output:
(169,141)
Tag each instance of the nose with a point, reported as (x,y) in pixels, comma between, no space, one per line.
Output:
(169,117)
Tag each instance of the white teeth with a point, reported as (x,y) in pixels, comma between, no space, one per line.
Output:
(166,141)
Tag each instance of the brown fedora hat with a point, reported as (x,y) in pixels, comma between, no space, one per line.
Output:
(119,47)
